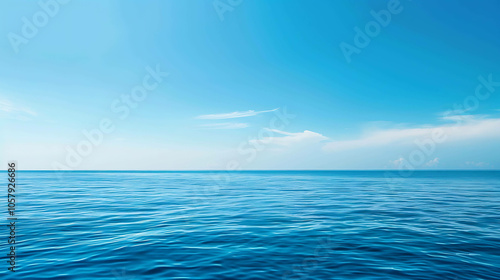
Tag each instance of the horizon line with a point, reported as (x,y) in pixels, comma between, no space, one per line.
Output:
(246,170)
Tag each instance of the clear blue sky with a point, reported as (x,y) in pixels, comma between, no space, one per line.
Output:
(257,55)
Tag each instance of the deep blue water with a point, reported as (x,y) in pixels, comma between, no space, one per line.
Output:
(257,225)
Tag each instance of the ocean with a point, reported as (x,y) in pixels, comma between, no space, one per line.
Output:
(256,225)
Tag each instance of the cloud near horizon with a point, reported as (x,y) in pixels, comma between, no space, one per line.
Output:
(432,162)
(466,127)
(375,148)
(233,115)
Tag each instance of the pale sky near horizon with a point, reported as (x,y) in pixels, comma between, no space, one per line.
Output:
(188,85)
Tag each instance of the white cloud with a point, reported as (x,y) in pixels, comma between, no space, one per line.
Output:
(468,128)
(432,162)
(455,112)
(233,115)
(459,118)
(289,139)
(225,125)
(398,162)
(477,164)
(9,110)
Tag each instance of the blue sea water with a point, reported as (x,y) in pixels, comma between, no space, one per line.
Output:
(257,225)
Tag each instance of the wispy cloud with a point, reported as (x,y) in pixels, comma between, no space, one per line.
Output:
(459,118)
(233,115)
(225,125)
(397,163)
(9,110)
(477,164)
(432,162)
(290,139)
(469,127)
(455,112)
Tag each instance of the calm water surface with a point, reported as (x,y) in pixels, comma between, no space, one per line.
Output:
(257,225)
